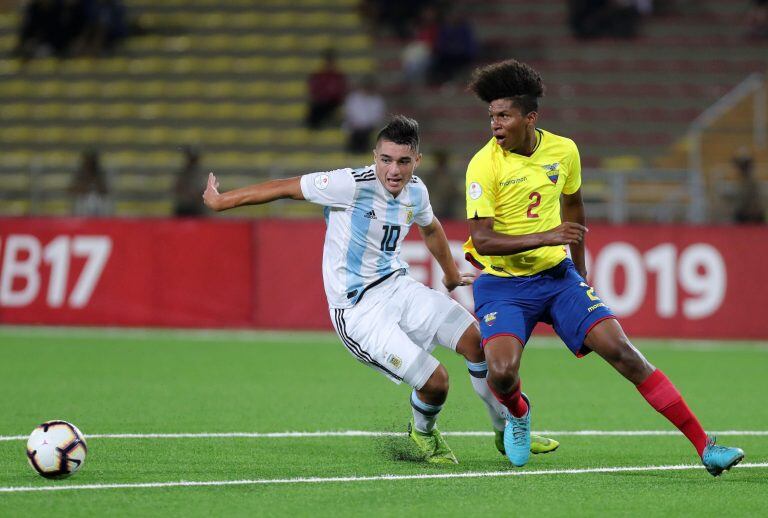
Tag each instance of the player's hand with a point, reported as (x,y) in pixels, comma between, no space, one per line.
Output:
(464,279)
(567,233)
(211,195)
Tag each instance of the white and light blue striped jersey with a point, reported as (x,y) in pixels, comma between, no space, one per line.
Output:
(366,226)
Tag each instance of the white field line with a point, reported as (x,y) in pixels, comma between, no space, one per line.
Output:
(363,433)
(169,334)
(326,480)
(251,335)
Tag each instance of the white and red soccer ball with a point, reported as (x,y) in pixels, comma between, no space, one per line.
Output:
(56,449)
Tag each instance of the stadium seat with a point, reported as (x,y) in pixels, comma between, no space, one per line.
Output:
(228,77)
(16,207)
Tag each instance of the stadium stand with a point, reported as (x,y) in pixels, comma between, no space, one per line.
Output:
(615,97)
(228,77)
(627,102)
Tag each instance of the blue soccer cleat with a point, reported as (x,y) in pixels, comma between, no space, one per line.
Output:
(720,458)
(517,437)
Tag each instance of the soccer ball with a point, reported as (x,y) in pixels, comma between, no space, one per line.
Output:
(56,449)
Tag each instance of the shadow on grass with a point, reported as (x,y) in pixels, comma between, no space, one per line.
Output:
(398,448)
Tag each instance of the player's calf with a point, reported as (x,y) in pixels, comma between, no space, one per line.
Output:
(662,395)
(608,340)
(435,390)
(427,401)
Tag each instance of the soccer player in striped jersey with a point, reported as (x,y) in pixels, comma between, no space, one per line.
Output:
(385,318)
(515,185)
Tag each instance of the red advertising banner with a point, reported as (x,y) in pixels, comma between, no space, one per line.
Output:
(678,281)
(662,281)
(288,288)
(126,272)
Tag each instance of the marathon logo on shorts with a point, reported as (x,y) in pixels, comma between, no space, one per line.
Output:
(395,361)
(490,318)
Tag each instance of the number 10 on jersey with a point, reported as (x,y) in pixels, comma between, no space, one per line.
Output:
(391,235)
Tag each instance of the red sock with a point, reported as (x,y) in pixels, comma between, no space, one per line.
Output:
(662,395)
(513,401)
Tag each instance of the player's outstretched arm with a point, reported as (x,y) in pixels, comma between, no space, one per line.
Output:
(252,195)
(489,242)
(434,237)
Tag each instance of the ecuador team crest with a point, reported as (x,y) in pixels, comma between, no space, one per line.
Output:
(552,172)
(490,318)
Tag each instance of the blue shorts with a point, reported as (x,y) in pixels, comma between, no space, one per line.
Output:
(558,296)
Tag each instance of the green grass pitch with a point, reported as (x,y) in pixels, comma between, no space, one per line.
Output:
(161,382)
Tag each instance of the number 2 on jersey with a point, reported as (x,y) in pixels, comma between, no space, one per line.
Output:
(391,235)
(535,202)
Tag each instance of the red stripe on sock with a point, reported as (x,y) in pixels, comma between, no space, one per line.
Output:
(513,401)
(662,395)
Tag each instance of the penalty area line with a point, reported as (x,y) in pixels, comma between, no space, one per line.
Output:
(365,433)
(325,480)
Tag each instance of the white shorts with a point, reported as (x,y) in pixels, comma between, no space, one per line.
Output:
(395,326)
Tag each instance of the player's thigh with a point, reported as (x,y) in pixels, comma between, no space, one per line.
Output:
(506,307)
(575,309)
(503,318)
(374,338)
(430,317)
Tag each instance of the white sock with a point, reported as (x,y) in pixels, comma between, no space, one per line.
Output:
(424,414)
(478,373)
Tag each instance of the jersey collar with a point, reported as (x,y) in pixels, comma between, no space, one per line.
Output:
(540,138)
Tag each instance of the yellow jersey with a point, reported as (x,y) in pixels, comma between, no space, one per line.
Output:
(522,195)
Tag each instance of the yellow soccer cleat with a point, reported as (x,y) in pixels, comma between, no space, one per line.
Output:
(541,444)
(538,444)
(432,446)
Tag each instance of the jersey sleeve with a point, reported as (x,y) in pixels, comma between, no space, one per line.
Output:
(424,216)
(330,189)
(481,191)
(573,181)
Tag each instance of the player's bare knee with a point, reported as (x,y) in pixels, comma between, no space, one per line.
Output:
(503,373)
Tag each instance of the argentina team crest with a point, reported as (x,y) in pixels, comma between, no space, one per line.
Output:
(395,361)
(552,172)
(408,216)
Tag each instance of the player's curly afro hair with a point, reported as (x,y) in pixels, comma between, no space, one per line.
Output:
(509,79)
(401,130)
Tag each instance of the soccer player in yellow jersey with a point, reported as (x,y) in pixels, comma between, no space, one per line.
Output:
(384,318)
(519,228)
